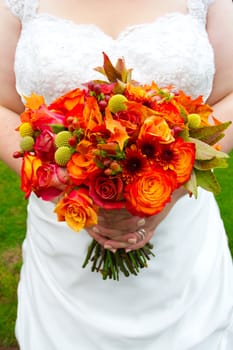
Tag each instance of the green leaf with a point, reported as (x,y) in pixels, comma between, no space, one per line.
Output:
(208,181)
(205,151)
(56,128)
(210,134)
(184,134)
(211,164)
(191,185)
(119,88)
(100,70)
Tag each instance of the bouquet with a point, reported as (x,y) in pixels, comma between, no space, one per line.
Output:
(115,143)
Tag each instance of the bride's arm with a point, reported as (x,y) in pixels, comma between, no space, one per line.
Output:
(220,30)
(10,103)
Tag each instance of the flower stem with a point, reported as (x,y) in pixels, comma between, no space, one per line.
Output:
(109,264)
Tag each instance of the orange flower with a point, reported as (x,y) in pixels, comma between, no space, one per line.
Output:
(134,165)
(34,101)
(178,156)
(170,110)
(92,116)
(149,193)
(77,210)
(81,165)
(118,131)
(157,127)
(28,174)
(141,93)
(194,106)
(68,102)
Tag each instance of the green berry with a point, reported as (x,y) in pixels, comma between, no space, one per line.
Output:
(62,138)
(27,143)
(62,155)
(116,103)
(194,120)
(25,129)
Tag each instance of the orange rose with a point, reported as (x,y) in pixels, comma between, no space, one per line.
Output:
(77,210)
(81,165)
(149,193)
(179,156)
(157,127)
(81,168)
(29,168)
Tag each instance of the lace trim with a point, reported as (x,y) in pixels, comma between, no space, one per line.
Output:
(23,9)
(198,9)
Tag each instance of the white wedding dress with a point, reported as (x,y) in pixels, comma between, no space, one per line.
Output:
(184,299)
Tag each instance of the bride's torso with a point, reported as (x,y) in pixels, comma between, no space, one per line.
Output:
(54,54)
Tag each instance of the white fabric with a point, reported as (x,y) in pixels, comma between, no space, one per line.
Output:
(184,300)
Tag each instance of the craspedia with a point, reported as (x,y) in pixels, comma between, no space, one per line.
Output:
(116,103)
(62,155)
(62,138)
(194,120)
(27,143)
(26,129)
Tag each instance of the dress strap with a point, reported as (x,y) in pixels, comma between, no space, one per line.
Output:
(23,9)
(199,9)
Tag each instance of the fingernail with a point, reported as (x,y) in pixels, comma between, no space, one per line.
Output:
(113,250)
(141,222)
(128,250)
(95,229)
(107,246)
(132,240)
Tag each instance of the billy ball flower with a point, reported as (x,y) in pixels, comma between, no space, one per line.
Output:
(116,103)
(26,129)
(62,138)
(194,120)
(62,155)
(27,143)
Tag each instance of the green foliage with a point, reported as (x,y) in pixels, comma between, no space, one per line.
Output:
(225,198)
(12,230)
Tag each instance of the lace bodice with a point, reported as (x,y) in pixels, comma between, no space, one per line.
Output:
(54,55)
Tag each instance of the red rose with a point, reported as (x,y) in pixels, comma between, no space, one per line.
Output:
(106,192)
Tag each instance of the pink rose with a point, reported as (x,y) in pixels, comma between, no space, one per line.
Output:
(106,192)
(51,181)
(44,146)
(43,117)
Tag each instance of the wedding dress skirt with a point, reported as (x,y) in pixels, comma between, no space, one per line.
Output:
(184,299)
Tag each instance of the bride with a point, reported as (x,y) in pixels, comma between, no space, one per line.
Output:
(184,299)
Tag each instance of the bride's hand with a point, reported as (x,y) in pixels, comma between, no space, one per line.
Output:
(119,229)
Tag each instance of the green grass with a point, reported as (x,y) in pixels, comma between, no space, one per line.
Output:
(12,229)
